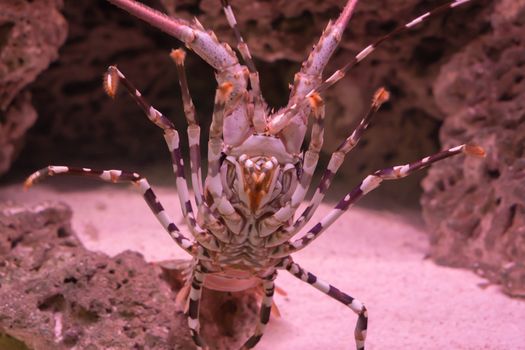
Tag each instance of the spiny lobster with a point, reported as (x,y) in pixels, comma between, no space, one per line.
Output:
(257,175)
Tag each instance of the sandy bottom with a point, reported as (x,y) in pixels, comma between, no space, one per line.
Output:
(374,255)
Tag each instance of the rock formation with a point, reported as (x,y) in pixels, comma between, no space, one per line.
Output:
(58,295)
(30,35)
(476,209)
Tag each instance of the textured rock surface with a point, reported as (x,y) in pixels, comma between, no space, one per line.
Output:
(57,295)
(80,120)
(30,34)
(477,209)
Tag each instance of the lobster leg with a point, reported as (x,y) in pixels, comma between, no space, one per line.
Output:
(368,184)
(266,310)
(206,216)
(214,184)
(194,306)
(111,82)
(352,303)
(336,160)
(311,157)
(194,131)
(122,176)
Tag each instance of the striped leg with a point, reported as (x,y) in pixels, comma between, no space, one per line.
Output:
(129,177)
(266,310)
(352,303)
(209,219)
(215,146)
(194,130)
(281,120)
(311,157)
(194,305)
(112,79)
(337,158)
(368,184)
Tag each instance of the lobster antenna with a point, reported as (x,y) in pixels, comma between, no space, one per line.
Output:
(281,120)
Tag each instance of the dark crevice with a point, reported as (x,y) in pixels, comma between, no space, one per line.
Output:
(55,302)
(5,32)
(296,24)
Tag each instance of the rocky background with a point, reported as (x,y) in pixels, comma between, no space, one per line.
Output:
(476,210)
(458,78)
(63,296)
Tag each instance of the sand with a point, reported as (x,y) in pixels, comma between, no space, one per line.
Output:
(375,255)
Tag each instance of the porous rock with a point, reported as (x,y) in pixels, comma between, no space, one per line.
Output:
(55,294)
(476,208)
(30,34)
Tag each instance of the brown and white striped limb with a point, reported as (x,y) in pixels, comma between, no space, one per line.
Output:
(214,184)
(112,79)
(119,176)
(194,130)
(194,306)
(264,312)
(333,292)
(205,215)
(368,184)
(336,160)
(311,157)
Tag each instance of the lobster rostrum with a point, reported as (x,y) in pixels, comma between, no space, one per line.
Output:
(244,227)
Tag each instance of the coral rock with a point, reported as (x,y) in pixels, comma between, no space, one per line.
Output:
(57,295)
(30,34)
(476,209)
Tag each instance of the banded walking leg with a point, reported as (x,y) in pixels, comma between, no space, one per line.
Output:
(352,303)
(111,82)
(205,216)
(282,119)
(264,313)
(194,305)
(337,158)
(194,131)
(311,157)
(215,147)
(115,176)
(368,184)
